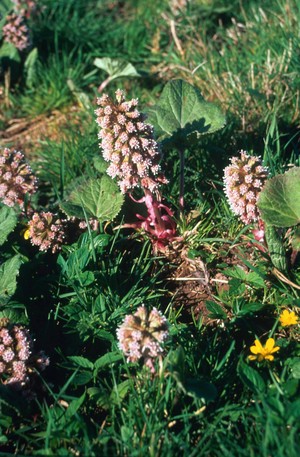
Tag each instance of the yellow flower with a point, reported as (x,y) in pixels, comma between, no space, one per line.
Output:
(288,318)
(26,234)
(263,352)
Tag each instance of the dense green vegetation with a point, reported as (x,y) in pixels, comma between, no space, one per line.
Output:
(77,255)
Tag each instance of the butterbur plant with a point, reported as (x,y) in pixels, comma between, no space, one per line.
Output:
(16,178)
(17,357)
(16,32)
(46,231)
(141,336)
(133,154)
(244,179)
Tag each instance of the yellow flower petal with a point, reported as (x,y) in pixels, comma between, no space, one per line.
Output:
(252,357)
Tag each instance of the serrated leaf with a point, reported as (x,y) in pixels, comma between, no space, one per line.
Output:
(107,359)
(75,405)
(81,361)
(250,377)
(249,277)
(279,200)
(100,198)
(116,68)
(9,271)
(215,310)
(8,221)
(276,248)
(182,110)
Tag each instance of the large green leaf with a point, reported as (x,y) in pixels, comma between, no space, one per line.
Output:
(9,271)
(182,110)
(8,221)
(97,198)
(279,201)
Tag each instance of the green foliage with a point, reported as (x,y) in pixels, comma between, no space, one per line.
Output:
(8,221)
(279,201)
(182,110)
(215,285)
(97,198)
(9,271)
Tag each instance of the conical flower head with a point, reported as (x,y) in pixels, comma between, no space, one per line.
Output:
(16,32)
(16,178)
(141,335)
(46,231)
(128,143)
(16,354)
(244,179)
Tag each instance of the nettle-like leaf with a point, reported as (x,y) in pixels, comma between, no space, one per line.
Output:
(98,198)
(8,221)
(182,110)
(279,200)
(9,271)
(116,68)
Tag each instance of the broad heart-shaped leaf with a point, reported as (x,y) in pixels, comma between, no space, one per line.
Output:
(116,68)
(98,198)
(8,221)
(279,200)
(182,110)
(9,271)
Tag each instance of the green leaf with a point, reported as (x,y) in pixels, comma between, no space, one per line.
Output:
(182,110)
(9,51)
(250,377)
(215,310)
(9,271)
(116,68)
(119,392)
(276,248)
(107,359)
(30,67)
(279,200)
(249,277)
(100,198)
(8,221)
(81,361)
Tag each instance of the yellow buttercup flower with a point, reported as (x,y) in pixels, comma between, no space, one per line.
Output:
(26,234)
(288,318)
(263,352)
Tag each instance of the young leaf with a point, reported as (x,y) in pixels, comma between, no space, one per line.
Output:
(116,68)
(182,110)
(100,198)
(30,67)
(8,221)
(276,248)
(279,200)
(9,271)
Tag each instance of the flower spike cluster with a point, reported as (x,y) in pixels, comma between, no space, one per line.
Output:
(16,178)
(46,232)
(244,179)
(16,354)
(141,335)
(128,143)
(16,32)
